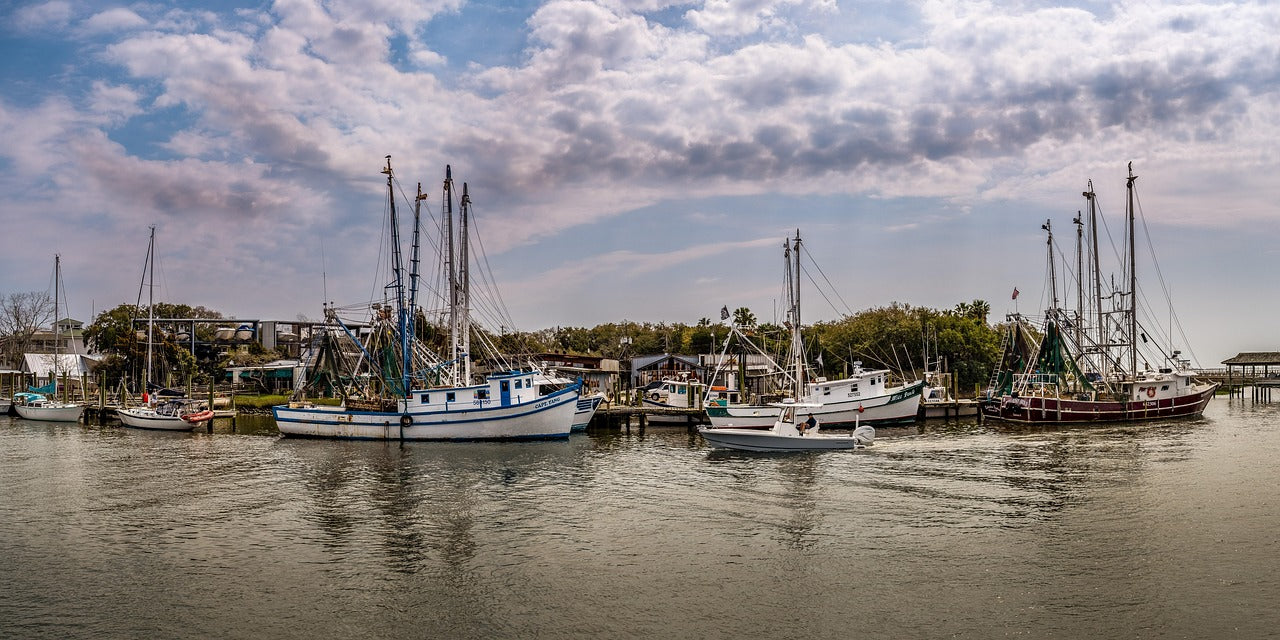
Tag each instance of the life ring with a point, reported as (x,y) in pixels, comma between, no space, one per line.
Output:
(406,420)
(1151,392)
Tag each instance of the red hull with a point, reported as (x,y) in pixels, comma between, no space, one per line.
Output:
(1037,410)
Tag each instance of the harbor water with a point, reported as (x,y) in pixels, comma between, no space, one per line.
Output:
(946,530)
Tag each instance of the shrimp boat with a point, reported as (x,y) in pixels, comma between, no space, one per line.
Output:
(1082,365)
(863,397)
(393,387)
(786,434)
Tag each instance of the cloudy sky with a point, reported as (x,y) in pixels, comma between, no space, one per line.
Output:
(643,159)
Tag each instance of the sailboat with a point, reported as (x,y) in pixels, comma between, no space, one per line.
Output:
(171,415)
(1081,365)
(864,397)
(35,403)
(397,388)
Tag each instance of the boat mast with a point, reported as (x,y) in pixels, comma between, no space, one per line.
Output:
(1133,283)
(797,344)
(464,284)
(57,339)
(1053,274)
(451,270)
(1079,222)
(397,267)
(1103,355)
(413,259)
(151,306)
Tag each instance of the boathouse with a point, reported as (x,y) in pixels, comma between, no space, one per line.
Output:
(647,369)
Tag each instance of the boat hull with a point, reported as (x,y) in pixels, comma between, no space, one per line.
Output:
(144,418)
(586,410)
(69,413)
(758,440)
(901,406)
(548,418)
(1052,410)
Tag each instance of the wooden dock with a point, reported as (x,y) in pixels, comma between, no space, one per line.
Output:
(621,416)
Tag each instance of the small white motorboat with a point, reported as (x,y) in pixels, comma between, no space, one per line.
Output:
(792,431)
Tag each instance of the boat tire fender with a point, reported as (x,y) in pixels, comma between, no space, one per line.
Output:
(406,420)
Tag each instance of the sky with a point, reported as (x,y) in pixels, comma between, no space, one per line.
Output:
(643,160)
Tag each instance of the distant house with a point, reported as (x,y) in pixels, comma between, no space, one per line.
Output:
(647,369)
(69,338)
(276,376)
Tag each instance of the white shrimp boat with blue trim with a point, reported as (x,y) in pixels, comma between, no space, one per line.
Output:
(398,389)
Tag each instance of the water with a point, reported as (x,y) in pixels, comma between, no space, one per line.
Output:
(954,530)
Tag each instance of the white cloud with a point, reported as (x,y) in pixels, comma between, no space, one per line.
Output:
(117,19)
(47,15)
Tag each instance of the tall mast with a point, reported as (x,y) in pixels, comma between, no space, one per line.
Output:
(413,259)
(1053,274)
(464,284)
(1079,222)
(451,269)
(151,306)
(397,266)
(57,339)
(1133,283)
(797,344)
(1103,358)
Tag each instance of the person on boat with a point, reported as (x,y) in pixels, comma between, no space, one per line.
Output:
(808,424)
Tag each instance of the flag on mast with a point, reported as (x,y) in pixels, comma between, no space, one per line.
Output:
(1015,293)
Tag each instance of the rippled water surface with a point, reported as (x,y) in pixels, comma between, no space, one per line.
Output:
(945,530)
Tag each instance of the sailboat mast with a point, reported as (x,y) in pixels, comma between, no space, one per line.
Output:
(413,259)
(1133,283)
(151,306)
(797,343)
(464,284)
(57,339)
(450,269)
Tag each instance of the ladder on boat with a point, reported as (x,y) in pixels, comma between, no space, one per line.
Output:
(1005,342)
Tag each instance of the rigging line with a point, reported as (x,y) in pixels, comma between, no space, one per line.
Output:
(1163,286)
(848,310)
(822,293)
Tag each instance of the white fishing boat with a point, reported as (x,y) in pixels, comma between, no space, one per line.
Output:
(37,406)
(863,397)
(791,431)
(397,389)
(168,415)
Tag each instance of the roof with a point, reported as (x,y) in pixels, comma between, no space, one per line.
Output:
(1254,358)
(41,364)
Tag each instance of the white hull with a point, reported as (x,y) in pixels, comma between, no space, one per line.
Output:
(759,440)
(585,411)
(547,417)
(146,418)
(55,413)
(900,405)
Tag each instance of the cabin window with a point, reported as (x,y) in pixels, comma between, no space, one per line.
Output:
(1164,388)
(682,390)
(482,394)
(518,383)
(826,391)
(449,397)
(854,388)
(426,398)
(506,386)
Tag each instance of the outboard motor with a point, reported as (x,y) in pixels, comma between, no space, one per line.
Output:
(864,435)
